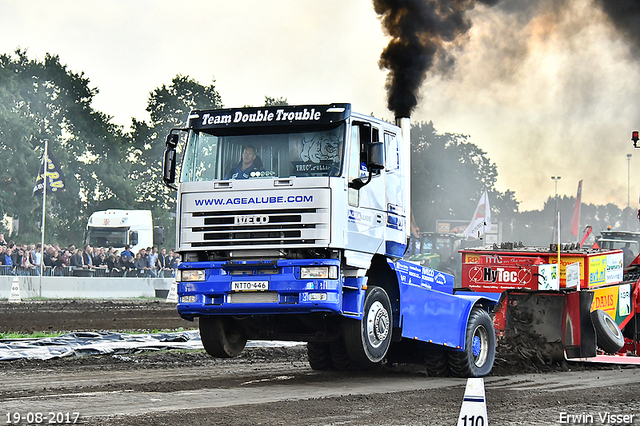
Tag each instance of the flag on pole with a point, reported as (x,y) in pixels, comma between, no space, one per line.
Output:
(55,177)
(481,220)
(585,235)
(575,219)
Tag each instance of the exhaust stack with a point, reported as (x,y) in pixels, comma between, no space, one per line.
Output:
(405,126)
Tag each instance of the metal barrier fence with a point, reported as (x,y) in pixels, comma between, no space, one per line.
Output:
(70,271)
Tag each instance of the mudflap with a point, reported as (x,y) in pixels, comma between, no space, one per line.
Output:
(550,323)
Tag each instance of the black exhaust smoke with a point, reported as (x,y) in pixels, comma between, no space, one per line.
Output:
(625,16)
(419,31)
(422,32)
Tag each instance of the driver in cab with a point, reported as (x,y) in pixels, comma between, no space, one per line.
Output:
(247,164)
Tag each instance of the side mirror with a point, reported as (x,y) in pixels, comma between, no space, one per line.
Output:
(169,166)
(376,156)
(133,238)
(375,163)
(172,140)
(158,235)
(358,183)
(169,160)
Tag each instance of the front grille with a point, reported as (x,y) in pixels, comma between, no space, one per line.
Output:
(273,228)
(254,297)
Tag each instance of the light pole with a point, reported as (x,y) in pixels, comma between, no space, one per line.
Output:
(556,179)
(628,176)
(555,226)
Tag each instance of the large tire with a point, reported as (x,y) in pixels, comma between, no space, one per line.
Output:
(340,359)
(437,363)
(608,334)
(367,341)
(222,336)
(319,355)
(476,360)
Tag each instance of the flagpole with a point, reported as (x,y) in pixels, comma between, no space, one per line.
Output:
(484,221)
(558,243)
(44,206)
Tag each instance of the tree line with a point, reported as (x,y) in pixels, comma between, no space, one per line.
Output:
(109,167)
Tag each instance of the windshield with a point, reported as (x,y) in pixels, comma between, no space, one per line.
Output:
(105,237)
(253,156)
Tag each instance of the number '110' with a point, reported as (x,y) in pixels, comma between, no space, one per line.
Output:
(473,420)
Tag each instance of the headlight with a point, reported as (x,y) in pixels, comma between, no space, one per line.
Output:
(191,275)
(330,272)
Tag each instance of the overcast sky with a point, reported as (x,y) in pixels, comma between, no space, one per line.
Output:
(551,93)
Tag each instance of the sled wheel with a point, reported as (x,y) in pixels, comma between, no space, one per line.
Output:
(367,341)
(319,355)
(476,360)
(437,363)
(608,334)
(222,336)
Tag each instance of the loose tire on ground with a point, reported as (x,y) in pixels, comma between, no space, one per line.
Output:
(222,336)
(319,355)
(367,341)
(608,335)
(476,360)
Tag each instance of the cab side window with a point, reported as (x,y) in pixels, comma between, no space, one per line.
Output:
(354,153)
(392,152)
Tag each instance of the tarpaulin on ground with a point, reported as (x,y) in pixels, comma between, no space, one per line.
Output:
(82,344)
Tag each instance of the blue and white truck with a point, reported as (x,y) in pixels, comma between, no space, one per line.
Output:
(292,222)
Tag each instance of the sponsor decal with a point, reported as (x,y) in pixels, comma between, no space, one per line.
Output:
(306,167)
(395,222)
(573,275)
(548,277)
(624,300)
(359,217)
(395,209)
(566,261)
(440,279)
(260,116)
(606,299)
(401,267)
(505,275)
(470,258)
(253,200)
(615,268)
(597,270)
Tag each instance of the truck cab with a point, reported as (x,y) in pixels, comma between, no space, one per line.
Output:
(118,228)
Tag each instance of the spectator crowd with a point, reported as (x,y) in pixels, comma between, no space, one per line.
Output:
(23,259)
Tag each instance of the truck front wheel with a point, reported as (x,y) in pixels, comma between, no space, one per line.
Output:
(368,340)
(476,360)
(222,336)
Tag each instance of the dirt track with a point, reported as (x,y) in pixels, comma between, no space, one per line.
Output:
(90,315)
(274,386)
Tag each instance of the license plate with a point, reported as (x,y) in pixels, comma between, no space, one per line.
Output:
(249,285)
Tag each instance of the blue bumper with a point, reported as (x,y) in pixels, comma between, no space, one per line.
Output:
(229,288)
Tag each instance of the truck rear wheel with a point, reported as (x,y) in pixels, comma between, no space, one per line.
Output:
(368,340)
(319,355)
(476,360)
(222,336)
(608,335)
(437,363)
